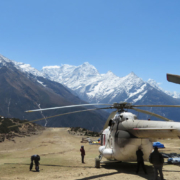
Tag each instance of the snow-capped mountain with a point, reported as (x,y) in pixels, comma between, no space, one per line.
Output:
(92,86)
(23,88)
(157,86)
(174,94)
(26,68)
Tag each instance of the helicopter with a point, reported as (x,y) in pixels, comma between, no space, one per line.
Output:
(123,133)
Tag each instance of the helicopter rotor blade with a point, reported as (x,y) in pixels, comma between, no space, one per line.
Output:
(152,114)
(61,107)
(73,112)
(155,105)
(110,116)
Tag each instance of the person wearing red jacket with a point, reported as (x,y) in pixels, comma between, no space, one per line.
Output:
(82,153)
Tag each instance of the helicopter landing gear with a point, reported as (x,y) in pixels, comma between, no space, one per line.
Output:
(100,157)
(97,161)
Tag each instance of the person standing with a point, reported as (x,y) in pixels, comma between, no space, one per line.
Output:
(36,159)
(140,160)
(82,153)
(157,160)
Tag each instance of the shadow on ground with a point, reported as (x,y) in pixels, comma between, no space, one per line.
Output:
(98,176)
(53,165)
(127,168)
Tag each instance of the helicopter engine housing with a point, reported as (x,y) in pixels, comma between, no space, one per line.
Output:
(121,146)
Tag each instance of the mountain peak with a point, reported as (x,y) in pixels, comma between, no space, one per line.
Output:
(87,69)
(110,73)
(132,74)
(4,60)
(85,64)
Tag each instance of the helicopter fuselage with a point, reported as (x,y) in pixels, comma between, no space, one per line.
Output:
(121,140)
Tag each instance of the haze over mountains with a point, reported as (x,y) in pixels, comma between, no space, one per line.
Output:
(89,85)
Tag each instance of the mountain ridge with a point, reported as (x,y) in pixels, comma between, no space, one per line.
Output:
(87,83)
(90,71)
(21,91)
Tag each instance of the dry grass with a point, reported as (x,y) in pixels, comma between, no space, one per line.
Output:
(60,159)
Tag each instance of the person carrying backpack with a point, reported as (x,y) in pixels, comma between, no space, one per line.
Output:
(36,159)
(157,160)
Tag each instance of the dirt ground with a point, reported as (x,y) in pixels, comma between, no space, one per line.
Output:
(60,159)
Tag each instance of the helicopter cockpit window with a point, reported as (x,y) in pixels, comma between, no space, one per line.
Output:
(110,122)
(117,117)
(124,117)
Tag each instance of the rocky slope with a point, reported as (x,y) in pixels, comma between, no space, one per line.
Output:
(21,130)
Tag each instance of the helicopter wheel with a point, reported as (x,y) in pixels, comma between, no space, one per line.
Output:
(100,157)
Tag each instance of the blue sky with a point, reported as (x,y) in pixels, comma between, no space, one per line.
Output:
(119,35)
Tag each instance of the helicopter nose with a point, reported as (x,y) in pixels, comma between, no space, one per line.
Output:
(106,152)
(101,149)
